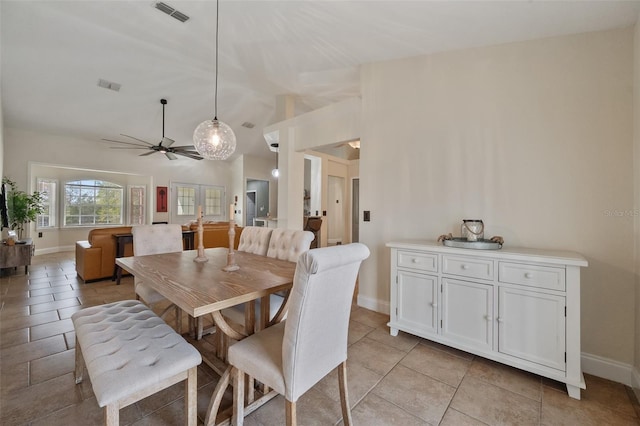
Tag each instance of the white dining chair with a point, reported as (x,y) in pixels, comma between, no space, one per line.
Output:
(292,356)
(156,239)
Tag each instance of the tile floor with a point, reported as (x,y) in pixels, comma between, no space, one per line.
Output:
(400,380)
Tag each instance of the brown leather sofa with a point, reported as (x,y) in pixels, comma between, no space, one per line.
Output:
(214,234)
(96,257)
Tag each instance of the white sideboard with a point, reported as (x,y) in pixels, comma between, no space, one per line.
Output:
(517,306)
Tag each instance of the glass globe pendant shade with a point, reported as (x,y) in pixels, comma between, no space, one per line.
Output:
(214,140)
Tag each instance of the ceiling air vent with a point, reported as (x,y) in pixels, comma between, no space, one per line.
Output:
(171,11)
(109,85)
(248,125)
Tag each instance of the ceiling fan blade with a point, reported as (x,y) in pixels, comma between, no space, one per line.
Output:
(166,142)
(125,143)
(128,147)
(170,156)
(184,148)
(146,153)
(193,156)
(140,140)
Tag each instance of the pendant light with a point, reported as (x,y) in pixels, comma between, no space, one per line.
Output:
(213,139)
(275,172)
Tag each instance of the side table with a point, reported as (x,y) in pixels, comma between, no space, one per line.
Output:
(17,255)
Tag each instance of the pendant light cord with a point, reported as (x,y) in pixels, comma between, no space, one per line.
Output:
(216,92)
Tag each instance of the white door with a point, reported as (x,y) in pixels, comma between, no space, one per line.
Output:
(417,309)
(250,208)
(186,197)
(531,326)
(467,309)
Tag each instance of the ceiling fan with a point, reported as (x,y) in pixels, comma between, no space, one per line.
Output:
(164,146)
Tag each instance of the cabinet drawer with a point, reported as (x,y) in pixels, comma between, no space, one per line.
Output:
(468,267)
(418,260)
(532,275)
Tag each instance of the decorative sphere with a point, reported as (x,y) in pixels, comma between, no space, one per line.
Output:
(214,140)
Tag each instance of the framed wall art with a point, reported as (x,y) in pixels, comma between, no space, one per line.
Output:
(162,199)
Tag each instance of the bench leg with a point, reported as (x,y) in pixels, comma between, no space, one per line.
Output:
(79,364)
(112,414)
(191,397)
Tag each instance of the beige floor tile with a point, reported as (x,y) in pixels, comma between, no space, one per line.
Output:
(456,418)
(49,367)
(44,398)
(559,409)
(370,318)
(448,349)
(360,381)
(608,394)
(50,290)
(438,364)
(420,395)
(357,331)
(374,355)
(52,306)
(13,377)
(493,405)
(518,381)
(51,329)
(403,341)
(375,411)
(32,350)
(14,337)
(86,412)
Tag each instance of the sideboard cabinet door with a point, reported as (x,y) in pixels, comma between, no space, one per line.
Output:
(417,302)
(531,326)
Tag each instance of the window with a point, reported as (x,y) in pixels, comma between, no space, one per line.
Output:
(136,205)
(187,197)
(93,202)
(48,188)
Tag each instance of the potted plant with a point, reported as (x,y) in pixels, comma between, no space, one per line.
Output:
(22,207)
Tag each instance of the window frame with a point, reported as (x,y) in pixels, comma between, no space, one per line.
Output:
(51,203)
(112,186)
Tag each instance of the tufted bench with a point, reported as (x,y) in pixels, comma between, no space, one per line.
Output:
(130,353)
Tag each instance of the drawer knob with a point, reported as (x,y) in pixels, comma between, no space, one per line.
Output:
(463,266)
(414,260)
(528,275)
(489,317)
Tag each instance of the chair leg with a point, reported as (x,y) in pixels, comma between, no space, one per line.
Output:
(237,418)
(191,397)
(79,364)
(112,414)
(344,394)
(290,412)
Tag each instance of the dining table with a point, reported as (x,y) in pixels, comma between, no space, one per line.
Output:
(202,288)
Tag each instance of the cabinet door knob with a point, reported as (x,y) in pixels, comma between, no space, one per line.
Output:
(500,319)
(435,305)
(528,275)
(463,266)
(489,317)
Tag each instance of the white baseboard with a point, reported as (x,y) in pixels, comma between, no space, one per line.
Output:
(595,365)
(373,304)
(53,250)
(608,369)
(635,381)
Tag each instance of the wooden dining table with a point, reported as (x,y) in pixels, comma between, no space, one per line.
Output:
(202,288)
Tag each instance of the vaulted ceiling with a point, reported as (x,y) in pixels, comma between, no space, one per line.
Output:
(54,52)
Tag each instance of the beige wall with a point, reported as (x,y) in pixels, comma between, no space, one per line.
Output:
(535,138)
(636,168)
(21,148)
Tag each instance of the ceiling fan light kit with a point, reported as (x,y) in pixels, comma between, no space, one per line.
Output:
(213,139)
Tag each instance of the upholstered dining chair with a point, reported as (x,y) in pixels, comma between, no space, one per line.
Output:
(292,356)
(255,239)
(156,239)
(284,244)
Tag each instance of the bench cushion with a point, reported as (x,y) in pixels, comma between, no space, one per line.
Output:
(127,348)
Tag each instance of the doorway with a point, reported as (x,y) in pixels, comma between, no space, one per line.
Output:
(250,207)
(335,210)
(355,210)
(256,201)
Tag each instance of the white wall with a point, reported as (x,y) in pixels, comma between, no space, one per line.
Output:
(535,138)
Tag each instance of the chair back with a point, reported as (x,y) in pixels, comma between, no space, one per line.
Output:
(255,239)
(156,239)
(315,335)
(289,244)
